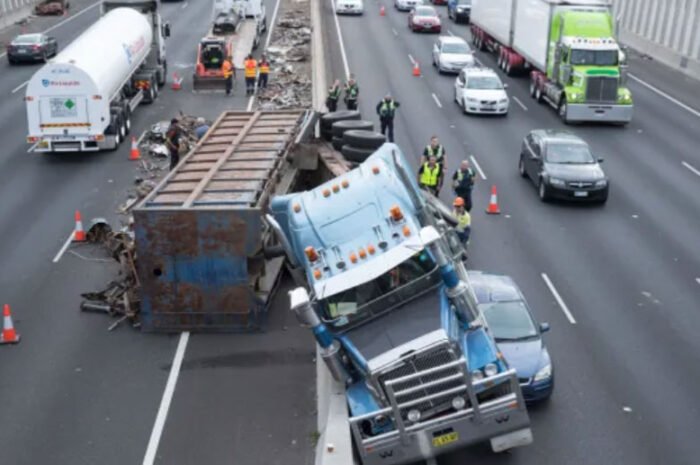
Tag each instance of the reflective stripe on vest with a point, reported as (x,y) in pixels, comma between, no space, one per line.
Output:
(250,68)
(429,177)
(438,152)
(264,67)
(387,108)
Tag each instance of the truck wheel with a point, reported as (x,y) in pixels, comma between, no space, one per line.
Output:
(538,94)
(340,127)
(337,143)
(563,109)
(163,76)
(355,154)
(328,119)
(122,126)
(364,139)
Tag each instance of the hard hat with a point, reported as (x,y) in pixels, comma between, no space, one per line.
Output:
(459,202)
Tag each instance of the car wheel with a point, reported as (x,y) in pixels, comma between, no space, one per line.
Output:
(563,109)
(542,191)
(464,107)
(521,167)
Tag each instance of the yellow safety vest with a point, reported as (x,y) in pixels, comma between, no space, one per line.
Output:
(430,177)
(463,221)
(228,69)
(250,66)
(264,67)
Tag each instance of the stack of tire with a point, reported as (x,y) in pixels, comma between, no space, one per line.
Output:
(350,135)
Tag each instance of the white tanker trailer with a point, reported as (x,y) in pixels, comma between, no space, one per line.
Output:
(82,100)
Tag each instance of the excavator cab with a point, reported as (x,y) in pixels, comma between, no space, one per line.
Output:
(209,73)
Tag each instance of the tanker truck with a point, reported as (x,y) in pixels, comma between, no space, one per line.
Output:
(383,290)
(83,99)
(569,48)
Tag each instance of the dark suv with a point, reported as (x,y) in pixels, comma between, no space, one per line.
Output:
(459,10)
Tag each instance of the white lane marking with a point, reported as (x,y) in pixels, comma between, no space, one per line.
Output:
(558,298)
(691,167)
(138,141)
(340,41)
(61,23)
(450,33)
(477,61)
(20,86)
(158,426)
(698,280)
(393,31)
(517,100)
(413,62)
(478,168)
(64,248)
(666,96)
(272,24)
(250,103)
(184,5)
(437,101)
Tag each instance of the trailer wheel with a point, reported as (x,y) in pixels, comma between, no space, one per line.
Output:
(563,109)
(340,127)
(355,154)
(337,143)
(364,139)
(328,119)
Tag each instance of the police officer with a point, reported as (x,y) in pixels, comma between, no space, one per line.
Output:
(463,183)
(437,150)
(263,72)
(386,109)
(430,176)
(352,93)
(250,66)
(464,220)
(333,96)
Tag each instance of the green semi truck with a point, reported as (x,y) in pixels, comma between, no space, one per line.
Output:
(569,48)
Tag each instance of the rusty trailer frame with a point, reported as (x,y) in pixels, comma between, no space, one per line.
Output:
(200,235)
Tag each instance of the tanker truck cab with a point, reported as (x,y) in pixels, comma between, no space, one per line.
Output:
(84,98)
(395,320)
(586,79)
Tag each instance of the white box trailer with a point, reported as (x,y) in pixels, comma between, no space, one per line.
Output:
(494,17)
(83,99)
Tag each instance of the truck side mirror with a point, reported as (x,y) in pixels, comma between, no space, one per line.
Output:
(166,30)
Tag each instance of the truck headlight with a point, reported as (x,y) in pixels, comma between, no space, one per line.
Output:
(624,96)
(574,96)
(601,183)
(413,415)
(557,182)
(544,373)
(491,369)
(458,403)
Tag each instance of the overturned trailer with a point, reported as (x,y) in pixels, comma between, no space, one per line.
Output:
(206,261)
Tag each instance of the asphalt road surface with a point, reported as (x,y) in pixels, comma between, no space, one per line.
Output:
(73,393)
(627,370)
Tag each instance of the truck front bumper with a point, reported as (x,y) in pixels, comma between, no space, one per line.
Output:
(504,422)
(582,112)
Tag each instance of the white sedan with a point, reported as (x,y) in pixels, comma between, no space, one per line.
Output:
(480,90)
(351,7)
(407,5)
(452,54)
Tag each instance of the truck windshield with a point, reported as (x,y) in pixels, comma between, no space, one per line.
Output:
(354,303)
(594,57)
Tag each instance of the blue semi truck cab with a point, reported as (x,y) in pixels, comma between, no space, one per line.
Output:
(383,289)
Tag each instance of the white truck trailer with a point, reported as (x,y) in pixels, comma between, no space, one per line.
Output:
(82,100)
(570,49)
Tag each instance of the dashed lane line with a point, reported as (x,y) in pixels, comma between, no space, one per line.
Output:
(666,96)
(478,168)
(691,167)
(558,298)
(437,101)
(522,105)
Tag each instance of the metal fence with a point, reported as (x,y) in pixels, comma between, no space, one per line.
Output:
(667,30)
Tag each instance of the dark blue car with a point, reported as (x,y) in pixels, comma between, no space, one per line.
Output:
(517,335)
(459,10)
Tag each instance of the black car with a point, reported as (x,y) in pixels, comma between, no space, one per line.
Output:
(31,47)
(561,166)
(459,10)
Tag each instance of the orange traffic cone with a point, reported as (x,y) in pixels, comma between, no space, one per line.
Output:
(8,335)
(135,152)
(416,69)
(493,209)
(381,11)
(79,233)
(177,82)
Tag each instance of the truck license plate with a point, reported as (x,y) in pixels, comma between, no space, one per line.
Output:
(580,194)
(445,439)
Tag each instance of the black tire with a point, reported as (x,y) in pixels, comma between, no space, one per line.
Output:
(337,143)
(364,139)
(328,119)
(542,191)
(562,110)
(521,167)
(326,134)
(355,154)
(164,76)
(538,94)
(339,127)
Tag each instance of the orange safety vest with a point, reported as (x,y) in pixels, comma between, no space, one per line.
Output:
(227,68)
(250,66)
(264,67)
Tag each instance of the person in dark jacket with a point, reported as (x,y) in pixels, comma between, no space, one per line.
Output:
(333,96)
(386,109)
(352,93)
(172,141)
(463,183)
